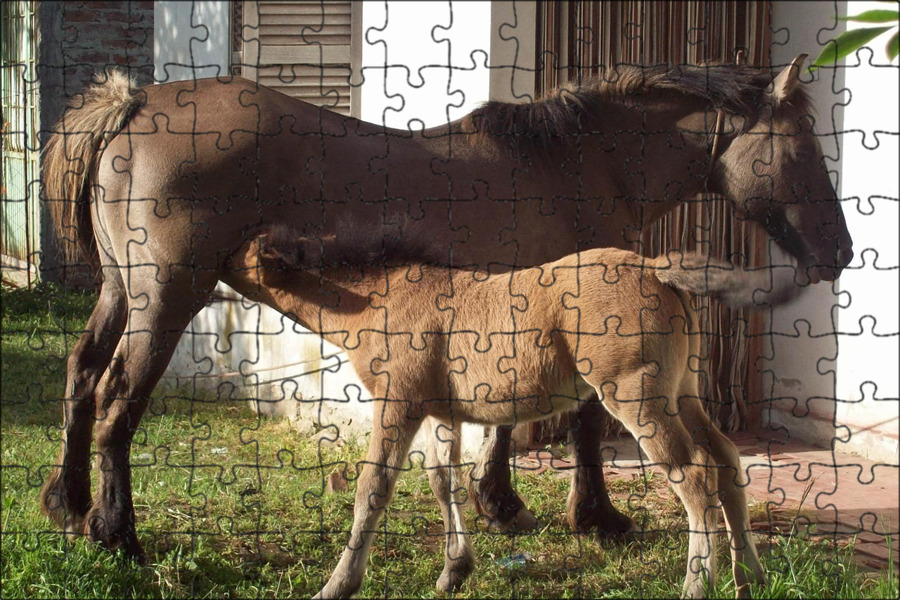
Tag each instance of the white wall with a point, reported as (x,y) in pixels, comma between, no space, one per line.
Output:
(869,353)
(816,369)
(424,63)
(244,351)
(191,39)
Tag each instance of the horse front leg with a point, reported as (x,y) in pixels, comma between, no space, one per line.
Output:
(492,488)
(589,507)
(388,449)
(66,495)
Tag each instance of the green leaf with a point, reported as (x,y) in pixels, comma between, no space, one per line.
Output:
(846,43)
(893,46)
(874,16)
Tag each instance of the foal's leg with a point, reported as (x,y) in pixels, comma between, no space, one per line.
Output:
(589,507)
(66,495)
(443,474)
(392,434)
(732,482)
(492,484)
(157,315)
(667,442)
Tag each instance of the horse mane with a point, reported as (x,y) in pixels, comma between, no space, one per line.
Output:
(736,89)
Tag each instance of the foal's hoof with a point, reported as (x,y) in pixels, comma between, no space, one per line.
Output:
(452,579)
(342,587)
(758,577)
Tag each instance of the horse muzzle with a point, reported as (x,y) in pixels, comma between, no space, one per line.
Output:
(824,270)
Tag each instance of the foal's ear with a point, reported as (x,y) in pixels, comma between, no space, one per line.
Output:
(266,251)
(784,86)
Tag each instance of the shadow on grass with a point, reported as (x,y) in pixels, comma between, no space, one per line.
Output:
(32,387)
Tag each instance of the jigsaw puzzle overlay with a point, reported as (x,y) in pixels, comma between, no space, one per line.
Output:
(495,299)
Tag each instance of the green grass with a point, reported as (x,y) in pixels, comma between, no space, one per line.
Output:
(230,505)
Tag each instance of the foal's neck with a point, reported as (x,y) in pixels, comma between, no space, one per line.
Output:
(328,301)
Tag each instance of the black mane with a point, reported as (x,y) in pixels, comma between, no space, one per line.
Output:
(735,89)
(358,245)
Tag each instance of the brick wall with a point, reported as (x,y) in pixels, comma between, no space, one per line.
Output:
(77,39)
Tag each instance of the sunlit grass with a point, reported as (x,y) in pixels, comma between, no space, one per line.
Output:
(231,505)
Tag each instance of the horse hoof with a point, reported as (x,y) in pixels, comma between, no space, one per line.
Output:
(95,531)
(616,526)
(137,554)
(608,523)
(524,520)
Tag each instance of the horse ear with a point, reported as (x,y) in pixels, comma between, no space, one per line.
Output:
(267,251)
(787,81)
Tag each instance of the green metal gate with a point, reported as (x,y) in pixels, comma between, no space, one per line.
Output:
(20,238)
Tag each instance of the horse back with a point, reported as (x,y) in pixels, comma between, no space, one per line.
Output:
(203,162)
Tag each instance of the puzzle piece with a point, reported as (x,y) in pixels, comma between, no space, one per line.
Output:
(395,270)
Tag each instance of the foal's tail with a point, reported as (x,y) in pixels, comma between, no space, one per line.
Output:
(735,287)
(71,155)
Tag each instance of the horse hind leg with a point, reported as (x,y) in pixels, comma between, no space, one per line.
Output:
(732,484)
(589,507)
(444,478)
(66,495)
(639,402)
(492,488)
(673,448)
(157,317)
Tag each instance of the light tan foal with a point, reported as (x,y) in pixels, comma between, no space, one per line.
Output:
(437,344)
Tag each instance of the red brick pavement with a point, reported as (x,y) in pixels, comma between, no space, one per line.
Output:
(842,495)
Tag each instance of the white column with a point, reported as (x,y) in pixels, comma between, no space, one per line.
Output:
(821,370)
(868,351)
(191,39)
(512,50)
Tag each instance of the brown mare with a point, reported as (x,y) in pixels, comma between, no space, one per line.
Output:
(161,185)
(440,344)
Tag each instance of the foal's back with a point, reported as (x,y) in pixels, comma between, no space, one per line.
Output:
(501,348)
(530,336)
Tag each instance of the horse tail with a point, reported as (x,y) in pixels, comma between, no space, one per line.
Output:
(71,154)
(719,279)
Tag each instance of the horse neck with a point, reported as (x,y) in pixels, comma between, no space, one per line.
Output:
(660,166)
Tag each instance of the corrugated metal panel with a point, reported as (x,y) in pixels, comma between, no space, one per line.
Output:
(304,49)
(577,39)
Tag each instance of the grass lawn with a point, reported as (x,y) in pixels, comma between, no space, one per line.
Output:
(231,505)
